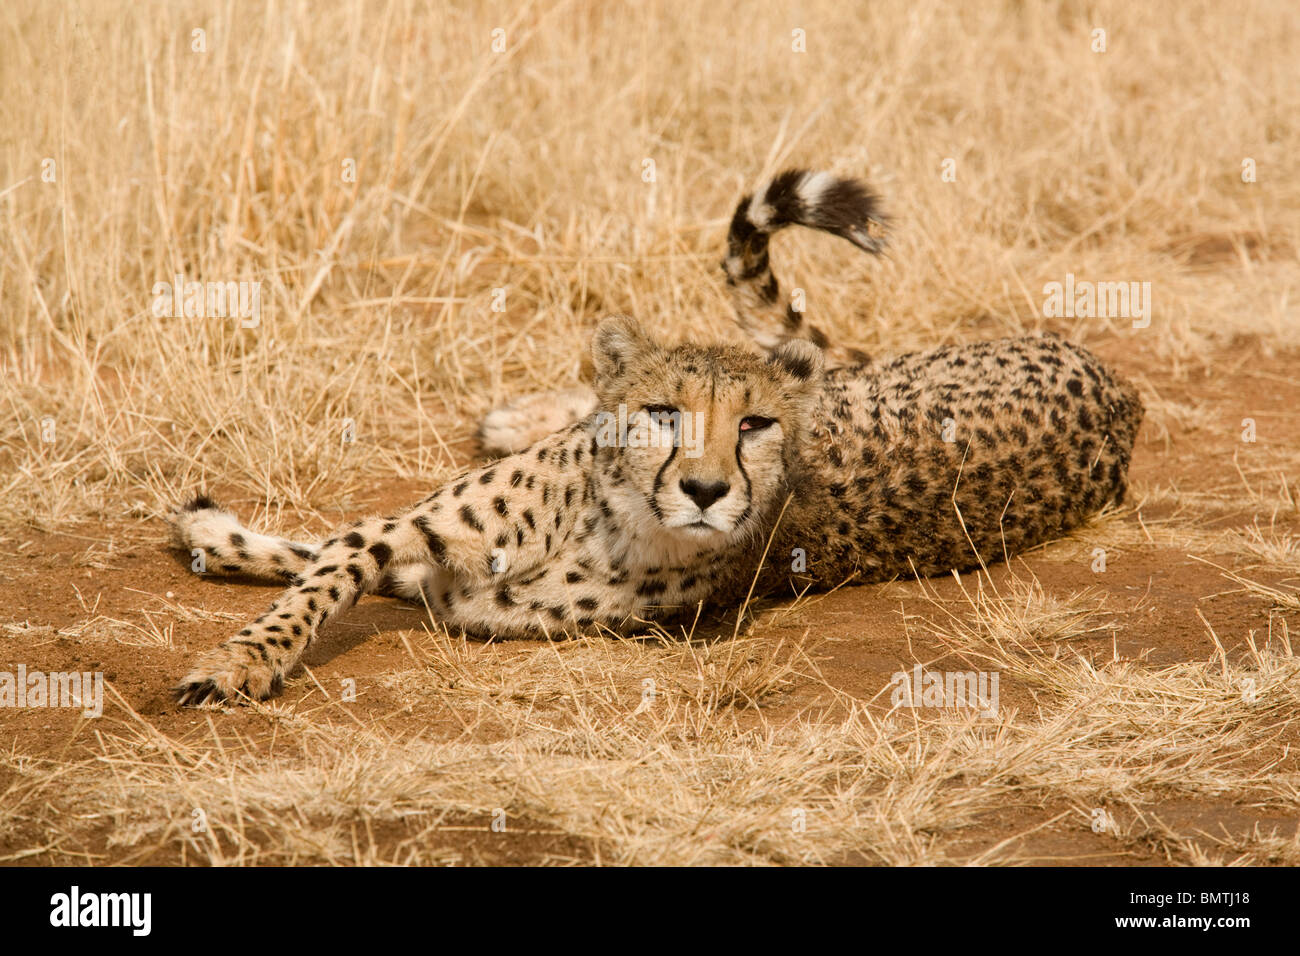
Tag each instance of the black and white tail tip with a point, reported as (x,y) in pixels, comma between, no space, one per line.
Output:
(815,200)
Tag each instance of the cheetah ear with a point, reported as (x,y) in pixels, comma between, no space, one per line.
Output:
(800,360)
(618,340)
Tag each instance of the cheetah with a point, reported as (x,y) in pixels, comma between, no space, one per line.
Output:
(691,474)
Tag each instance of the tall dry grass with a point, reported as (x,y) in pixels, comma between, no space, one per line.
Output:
(129,157)
(523,169)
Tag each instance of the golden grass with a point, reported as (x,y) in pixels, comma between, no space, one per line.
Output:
(686,780)
(521,170)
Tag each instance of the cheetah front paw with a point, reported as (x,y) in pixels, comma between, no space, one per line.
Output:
(232,670)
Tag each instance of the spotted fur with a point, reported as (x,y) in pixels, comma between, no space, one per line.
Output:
(932,461)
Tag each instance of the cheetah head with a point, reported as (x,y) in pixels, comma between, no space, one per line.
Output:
(704,436)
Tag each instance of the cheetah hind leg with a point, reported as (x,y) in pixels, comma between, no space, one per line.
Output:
(513,427)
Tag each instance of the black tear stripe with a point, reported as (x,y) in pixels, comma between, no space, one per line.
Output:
(659,483)
(749,489)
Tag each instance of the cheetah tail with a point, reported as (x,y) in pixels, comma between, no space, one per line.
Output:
(817,200)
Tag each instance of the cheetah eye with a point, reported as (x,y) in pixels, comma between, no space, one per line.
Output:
(661,412)
(754,423)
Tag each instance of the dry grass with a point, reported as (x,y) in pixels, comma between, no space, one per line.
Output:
(571,749)
(522,170)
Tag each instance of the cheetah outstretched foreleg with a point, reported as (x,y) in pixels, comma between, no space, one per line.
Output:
(467,531)
(255,661)
(219,544)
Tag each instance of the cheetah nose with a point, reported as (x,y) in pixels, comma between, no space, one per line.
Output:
(704,493)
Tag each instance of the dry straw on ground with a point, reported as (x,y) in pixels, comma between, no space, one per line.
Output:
(522,170)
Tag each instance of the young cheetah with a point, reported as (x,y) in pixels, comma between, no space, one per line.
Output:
(666,485)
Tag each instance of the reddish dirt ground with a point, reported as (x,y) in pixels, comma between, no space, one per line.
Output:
(1154,595)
